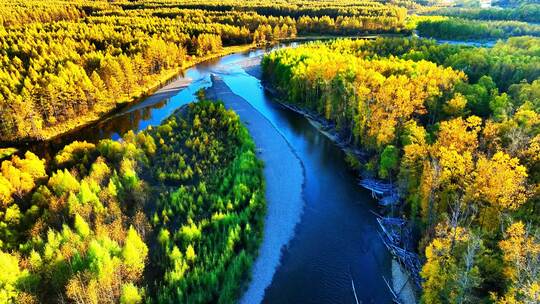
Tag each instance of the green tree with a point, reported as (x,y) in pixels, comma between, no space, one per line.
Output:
(389,161)
(130,294)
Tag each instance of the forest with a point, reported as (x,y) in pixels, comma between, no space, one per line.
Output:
(96,225)
(175,213)
(458,130)
(464,29)
(525,12)
(66,63)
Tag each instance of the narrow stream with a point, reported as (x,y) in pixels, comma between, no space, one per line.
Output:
(335,241)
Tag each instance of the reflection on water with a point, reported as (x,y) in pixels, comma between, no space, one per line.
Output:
(149,111)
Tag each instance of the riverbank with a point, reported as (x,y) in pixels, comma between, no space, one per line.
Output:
(400,278)
(329,37)
(253,68)
(283,195)
(168,82)
(337,239)
(402,285)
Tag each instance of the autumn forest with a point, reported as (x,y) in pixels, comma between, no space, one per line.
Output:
(433,108)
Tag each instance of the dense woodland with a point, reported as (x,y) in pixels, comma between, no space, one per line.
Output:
(465,29)
(174,213)
(170,215)
(458,129)
(65,63)
(526,13)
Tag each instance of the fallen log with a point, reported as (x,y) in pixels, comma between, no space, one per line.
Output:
(378,187)
(395,297)
(392,229)
(389,200)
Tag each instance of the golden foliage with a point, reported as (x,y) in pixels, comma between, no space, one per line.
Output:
(500,181)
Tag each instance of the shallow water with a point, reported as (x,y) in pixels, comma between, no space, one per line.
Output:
(336,240)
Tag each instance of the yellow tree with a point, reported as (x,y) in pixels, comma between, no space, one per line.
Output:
(5,192)
(447,168)
(460,133)
(134,254)
(500,183)
(415,154)
(30,164)
(450,271)
(8,277)
(456,106)
(521,254)
(21,182)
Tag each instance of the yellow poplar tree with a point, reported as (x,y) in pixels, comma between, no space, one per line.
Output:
(521,254)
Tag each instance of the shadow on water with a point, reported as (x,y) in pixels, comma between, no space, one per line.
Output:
(337,237)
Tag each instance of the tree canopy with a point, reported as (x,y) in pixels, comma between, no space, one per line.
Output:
(80,228)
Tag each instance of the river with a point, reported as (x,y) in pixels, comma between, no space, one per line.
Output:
(319,235)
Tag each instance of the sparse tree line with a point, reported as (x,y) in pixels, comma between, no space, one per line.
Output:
(170,215)
(458,129)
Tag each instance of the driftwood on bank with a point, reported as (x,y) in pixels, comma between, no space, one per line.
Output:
(390,200)
(410,261)
(396,238)
(392,229)
(395,295)
(376,186)
(326,127)
(386,193)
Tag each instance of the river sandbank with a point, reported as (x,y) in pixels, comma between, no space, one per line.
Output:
(402,285)
(284,177)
